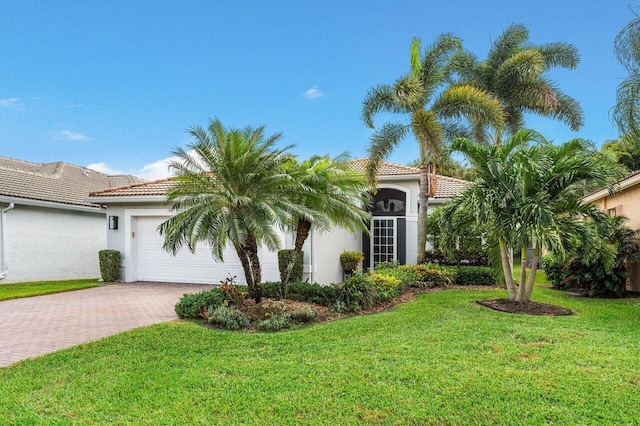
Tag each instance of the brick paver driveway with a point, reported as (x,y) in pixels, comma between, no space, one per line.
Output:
(38,325)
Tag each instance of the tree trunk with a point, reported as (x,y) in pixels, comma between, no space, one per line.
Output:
(532,274)
(523,274)
(302,232)
(423,200)
(248,254)
(506,269)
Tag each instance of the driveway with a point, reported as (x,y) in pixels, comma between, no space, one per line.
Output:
(39,325)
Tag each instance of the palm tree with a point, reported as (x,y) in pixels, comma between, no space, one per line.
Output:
(230,187)
(431,112)
(514,72)
(626,112)
(333,193)
(529,196)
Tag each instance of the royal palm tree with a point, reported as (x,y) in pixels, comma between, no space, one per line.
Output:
(514,72)
(333,192)
(626,112)
(231,186)
(431,111)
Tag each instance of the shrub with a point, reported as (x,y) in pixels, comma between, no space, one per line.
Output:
(366,291)
(421,276)
(389,264)
(553,270)
(290,265)
(473,275)
(274,323)
(195,305)
(462,258)
(110,262)
(385,287)
(351,261)
(302,291)
(356,293)
(271,289)
(227,317)
(305,315)
(431,275)
(233,295)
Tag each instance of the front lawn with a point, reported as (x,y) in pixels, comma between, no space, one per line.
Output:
(38,288)
(439,360)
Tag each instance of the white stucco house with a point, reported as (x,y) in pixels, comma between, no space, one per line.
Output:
(48,231)
(140,208)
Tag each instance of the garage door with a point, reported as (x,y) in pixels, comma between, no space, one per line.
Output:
(154,264)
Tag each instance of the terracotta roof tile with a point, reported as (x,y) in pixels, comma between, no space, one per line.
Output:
(447,187)
(155,187)
(56,182)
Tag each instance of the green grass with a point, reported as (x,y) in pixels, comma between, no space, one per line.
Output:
(38,288)
(439,360)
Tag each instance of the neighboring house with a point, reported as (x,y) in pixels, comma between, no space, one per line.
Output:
(48,231)
(624,202)
(140,208)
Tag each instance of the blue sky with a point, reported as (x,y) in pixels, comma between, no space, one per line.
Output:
(116,84)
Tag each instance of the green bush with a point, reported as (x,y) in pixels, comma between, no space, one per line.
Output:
(305,315)
(290,265)
(194,305)
(110,262)
(271,289)
(421,276)
(351,261)
(274,323)
(227,317)
(385,287)
(473,275)
(553,270)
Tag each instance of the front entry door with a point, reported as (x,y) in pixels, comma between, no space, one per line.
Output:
(384,245)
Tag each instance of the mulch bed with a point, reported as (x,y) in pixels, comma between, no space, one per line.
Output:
(528,308)
(325,314)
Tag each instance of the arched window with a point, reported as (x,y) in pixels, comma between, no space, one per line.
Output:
(389,202)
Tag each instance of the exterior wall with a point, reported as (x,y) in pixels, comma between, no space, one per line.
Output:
(52,244)
(326,250)
(626,203)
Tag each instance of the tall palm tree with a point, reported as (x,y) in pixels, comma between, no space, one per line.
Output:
(334,194)
(626,112)
(231,187)
(531,196)
(514,72)
(432,113)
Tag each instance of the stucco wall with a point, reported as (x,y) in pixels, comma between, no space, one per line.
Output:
(52,244)
(626,203)
(326,253)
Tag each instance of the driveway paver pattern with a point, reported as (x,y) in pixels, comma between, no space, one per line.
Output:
(39,325)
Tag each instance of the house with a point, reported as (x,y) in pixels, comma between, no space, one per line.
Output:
(140,208)
(48,231)
(624,202)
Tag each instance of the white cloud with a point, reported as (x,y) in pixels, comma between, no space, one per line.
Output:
(71,136)
(13,103)
(155,170)
(103,168)
(152,171)
(313,93)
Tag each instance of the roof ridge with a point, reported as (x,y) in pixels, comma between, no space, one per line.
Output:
(133,185)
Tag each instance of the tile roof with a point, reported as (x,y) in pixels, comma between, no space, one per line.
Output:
(155,187)
(446,187)
(56,182)
(386,169)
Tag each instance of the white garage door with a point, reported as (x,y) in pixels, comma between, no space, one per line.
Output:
(154,264)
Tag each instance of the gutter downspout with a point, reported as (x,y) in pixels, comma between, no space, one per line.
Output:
(3,257)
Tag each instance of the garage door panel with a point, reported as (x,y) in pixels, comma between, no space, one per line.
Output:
(155,264)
